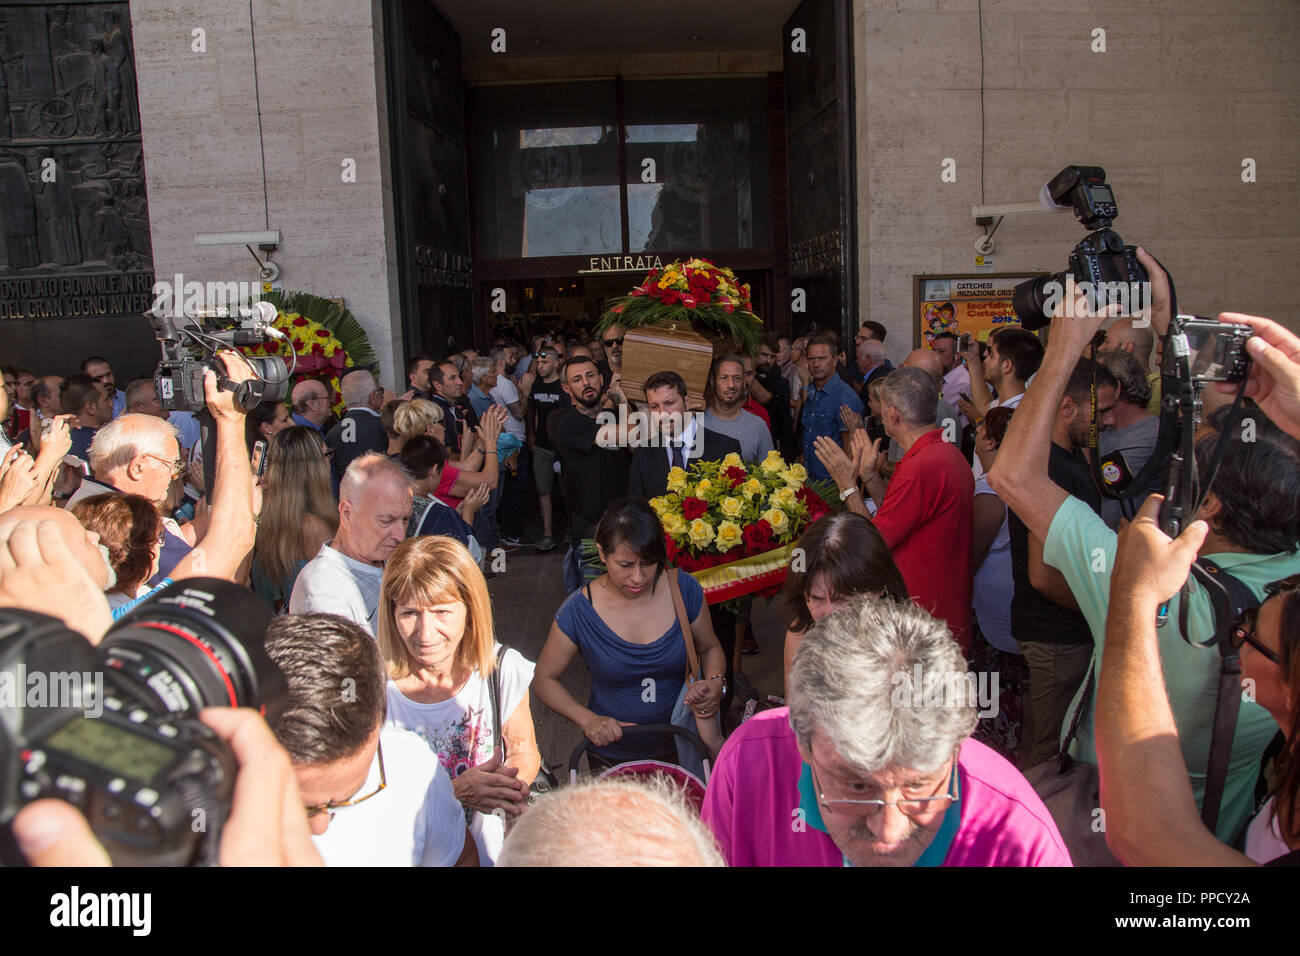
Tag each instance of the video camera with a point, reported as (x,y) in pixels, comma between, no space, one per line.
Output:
(1109,268)
(154,782)
(188,353)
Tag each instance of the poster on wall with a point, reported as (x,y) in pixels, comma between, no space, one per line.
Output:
(977,304)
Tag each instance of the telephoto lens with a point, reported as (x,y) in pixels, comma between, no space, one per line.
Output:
(114,730)
(198,643)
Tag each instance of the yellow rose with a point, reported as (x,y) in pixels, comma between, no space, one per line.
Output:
(778,519)
(731,507)
(703,487)
(729,535)
(782,498)
(660,506)
(773,463)
(792,481)
(700,533)
(674,524)
(799,472)
(677,481)
(753,488)
(732,461)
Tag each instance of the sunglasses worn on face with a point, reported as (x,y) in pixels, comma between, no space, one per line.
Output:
(610,343)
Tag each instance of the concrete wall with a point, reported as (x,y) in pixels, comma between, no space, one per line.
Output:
(1185,90)
(320,79)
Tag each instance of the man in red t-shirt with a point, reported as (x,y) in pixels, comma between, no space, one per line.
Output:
(925,513)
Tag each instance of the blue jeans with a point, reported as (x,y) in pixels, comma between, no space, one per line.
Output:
(485,524)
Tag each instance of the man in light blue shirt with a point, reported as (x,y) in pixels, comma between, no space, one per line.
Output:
(822,400)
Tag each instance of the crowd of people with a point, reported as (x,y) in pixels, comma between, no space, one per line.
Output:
(971,549)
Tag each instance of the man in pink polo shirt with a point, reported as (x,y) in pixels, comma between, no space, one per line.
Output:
(872,764)
(925,515)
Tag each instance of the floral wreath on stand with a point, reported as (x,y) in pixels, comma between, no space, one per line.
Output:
(325,337)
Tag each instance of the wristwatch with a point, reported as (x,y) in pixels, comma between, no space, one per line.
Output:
(851,489)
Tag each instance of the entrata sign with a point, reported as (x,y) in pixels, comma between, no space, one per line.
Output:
(599,264)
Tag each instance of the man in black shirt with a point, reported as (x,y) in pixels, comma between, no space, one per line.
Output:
(447,389)
(778,389)
(1045,619)
(593,458)
(546,394)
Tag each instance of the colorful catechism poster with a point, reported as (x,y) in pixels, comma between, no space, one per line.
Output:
(975,304)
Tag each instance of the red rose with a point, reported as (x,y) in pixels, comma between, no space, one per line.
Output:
(670,296)
(297,344)
(737,475)
(813,502)
(323,333)
(317,350)
(758,537)
(300,321)
(693,508)
(672,547)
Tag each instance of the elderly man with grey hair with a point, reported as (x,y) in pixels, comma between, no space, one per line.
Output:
(344,577)
(611,822)
(873,764)
(360,431)
(925,511)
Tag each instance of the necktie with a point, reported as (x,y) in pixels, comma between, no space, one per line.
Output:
(678,460)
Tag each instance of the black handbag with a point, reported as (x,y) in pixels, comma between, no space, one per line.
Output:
(545,780)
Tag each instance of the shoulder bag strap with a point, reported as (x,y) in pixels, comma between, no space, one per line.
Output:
(693,661)
(494,692)
(1064,760)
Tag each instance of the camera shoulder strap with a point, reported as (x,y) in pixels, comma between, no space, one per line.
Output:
(1239,598)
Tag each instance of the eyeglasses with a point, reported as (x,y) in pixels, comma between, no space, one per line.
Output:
(910,806)
(330,808)
(177,467)
(612,342)
(1243,629)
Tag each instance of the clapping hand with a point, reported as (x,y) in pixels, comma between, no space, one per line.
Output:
(851,419)
(843,470)
(869,462)
(474,499)
(18,478)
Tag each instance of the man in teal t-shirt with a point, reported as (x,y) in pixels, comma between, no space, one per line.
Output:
(1253,536)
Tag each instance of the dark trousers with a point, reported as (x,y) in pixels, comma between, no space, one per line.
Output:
(514,496)
(724,628)
(1055,673)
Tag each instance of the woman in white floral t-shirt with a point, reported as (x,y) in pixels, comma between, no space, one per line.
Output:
(436,636)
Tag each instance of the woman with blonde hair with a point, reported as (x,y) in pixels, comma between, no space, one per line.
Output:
(299,512)
(418,417)
(438,642)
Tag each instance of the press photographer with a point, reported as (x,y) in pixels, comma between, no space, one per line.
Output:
(1253,513)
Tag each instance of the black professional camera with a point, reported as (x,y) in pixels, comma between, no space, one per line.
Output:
(188,353)
(129,751)
(1110,268)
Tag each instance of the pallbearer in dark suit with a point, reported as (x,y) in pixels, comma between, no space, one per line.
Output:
(666,395)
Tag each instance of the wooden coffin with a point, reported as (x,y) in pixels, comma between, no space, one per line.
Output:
(678,348)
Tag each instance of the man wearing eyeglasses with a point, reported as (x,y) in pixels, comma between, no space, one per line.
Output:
(374,794)
(311,404)
(139,455)
(873,764)
(612,339)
